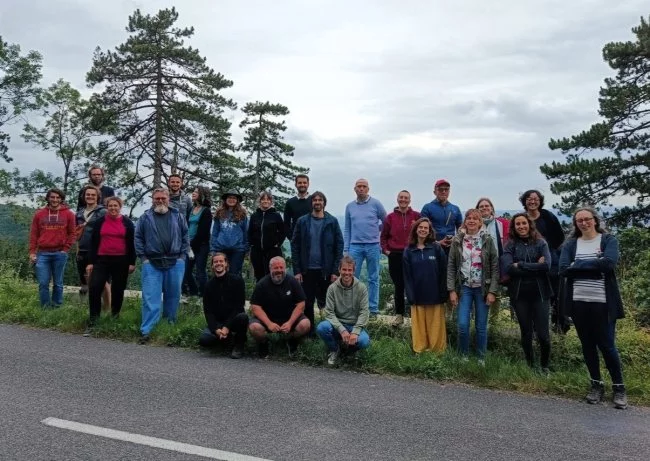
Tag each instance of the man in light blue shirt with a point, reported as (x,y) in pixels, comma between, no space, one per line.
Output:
(363,220)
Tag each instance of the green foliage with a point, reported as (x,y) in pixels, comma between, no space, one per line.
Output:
(269,166)
(19,77)
(611,158)
(162,107)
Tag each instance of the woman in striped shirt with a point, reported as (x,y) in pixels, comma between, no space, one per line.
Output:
(593,300)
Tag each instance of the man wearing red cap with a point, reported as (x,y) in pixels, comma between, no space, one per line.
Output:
(445,217)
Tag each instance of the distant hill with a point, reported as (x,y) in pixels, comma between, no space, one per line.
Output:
(15,221)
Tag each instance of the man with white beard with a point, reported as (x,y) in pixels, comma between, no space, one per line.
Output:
(161,242)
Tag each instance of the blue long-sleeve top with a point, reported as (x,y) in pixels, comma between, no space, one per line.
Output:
(228,234)
(446,219)
(363,221)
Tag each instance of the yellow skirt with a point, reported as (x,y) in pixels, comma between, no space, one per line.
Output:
(428,328)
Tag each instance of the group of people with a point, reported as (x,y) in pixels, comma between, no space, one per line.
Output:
(438,259)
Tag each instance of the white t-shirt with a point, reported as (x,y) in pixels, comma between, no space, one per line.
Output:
(589,290)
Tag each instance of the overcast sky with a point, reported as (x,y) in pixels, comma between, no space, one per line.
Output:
(401,93)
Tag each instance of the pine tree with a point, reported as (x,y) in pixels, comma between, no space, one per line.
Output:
(612,158)
(161,104)
(269,165)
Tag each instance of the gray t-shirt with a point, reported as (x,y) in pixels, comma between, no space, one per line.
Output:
(315,231)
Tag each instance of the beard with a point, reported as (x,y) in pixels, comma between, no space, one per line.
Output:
(277,278)
(161,209)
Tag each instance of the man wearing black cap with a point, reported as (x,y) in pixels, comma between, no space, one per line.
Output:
(445,217)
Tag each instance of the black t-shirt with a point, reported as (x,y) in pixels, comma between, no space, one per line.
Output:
(278,301)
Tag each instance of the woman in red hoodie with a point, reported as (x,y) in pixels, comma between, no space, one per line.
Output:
(111,255)
(50,238)
(394,238)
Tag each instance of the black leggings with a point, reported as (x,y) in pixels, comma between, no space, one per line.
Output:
(260,260)
(315,287)
(596,331)
(116,269)
(532,315)
(396,271)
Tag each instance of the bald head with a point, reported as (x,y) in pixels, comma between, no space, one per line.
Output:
(362,189)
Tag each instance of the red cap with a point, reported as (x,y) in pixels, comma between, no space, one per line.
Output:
(442,181)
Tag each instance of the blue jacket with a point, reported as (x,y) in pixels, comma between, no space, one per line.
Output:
(331,245)
(147,242)
(229,235)
(445,219)
(592,268)
(425,274)
(526,256)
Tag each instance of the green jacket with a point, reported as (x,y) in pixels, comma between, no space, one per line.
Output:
(347,305)
(489,257)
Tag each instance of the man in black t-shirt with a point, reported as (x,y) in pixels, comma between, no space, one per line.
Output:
(278,305)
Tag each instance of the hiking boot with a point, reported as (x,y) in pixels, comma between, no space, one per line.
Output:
(292,347)
(620,397)
(481,363)
(88,332)
(263,350)
(398,321)
(333,357)
(237,352)
(545,372)
(597,392)
(144,339)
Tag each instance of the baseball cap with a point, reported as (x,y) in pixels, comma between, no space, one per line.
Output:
(440,182)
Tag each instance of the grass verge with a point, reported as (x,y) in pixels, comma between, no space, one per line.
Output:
(390,351)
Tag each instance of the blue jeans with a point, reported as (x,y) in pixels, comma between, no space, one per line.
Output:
(331,336)
(469,296)
(371,252)
(50,265)
(160,285)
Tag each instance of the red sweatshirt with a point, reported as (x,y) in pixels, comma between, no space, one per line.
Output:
(396,229)
(52,230)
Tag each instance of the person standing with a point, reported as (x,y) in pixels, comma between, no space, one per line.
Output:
(162,243)
(111,256)
(346,314)
(592,298)
(498,228)
(363,219)
(472,272)
(297,206)
(230,231)
(394,239)
(445,217)
(425,279)
(527,260)
(549,227)
(51,236)
(96,178)
(86,218)
(265,235)
(223,307)
(199,222)
(177,198)
(316,252)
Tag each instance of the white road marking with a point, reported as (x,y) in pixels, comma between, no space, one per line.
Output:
(149,441)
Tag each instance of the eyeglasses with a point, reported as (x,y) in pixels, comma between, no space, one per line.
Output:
(584,220)
(442,189)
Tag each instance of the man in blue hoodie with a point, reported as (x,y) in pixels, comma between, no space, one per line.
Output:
(445,217)
(363,219)
(161,242)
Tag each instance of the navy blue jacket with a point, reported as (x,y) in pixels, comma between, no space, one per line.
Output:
(425,274)
(592,268)
(147,242)
(331,245)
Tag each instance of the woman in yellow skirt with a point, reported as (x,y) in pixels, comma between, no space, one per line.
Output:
(425,275)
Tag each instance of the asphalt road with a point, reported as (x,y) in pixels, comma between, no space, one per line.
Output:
(278,411)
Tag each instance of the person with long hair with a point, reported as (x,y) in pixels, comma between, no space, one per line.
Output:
(198,229)
(497,227)
(473,275)
(265,235)
(527,260)
(425,280)
(592,298)
(549,227)
(86,217)
(230,231)
(111,256)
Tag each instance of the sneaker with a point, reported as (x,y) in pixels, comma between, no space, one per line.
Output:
(596,392)
(332,357)
(620,397)
(144,339)
(184,300)
(464,359)
(545,372)
(292,347)
(88,332)
(481,363)
(263,350)
(398,321)
(374,315)
(237,352)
